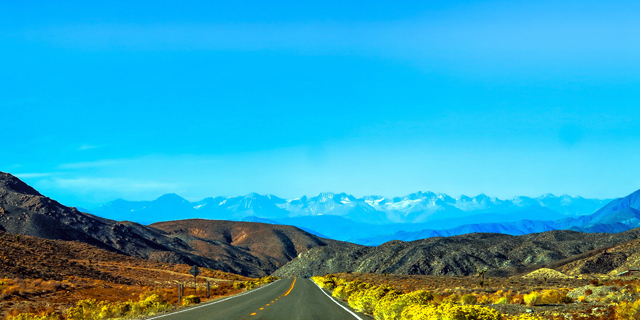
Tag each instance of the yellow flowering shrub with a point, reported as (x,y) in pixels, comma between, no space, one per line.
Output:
(391,306)
(365,300)
(628,310)
(31,316)
(190,300)
(526,316)
(533,298)
(448,311)
(90,309)
(344,291)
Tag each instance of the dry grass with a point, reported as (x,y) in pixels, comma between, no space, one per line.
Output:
(44,276)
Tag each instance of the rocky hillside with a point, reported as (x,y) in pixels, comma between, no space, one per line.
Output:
(23,210)
(459,255)
(268,246)
(613,261)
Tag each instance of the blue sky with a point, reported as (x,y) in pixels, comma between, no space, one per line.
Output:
(106,100)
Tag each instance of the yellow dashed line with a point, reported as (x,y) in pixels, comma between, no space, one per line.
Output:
(293,284)
(268,304)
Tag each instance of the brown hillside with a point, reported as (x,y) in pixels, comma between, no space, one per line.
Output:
(38,275)
(272,245)
(246,248)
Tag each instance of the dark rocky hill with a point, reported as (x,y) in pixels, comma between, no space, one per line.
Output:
(251,249)
(460,255)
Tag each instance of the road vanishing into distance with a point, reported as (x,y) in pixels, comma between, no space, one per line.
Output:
(285,299)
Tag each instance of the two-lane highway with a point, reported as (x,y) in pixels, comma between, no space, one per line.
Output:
(290,299)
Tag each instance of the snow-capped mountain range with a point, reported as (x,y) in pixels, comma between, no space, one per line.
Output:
(420,207)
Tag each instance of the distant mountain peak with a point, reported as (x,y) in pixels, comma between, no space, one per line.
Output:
(171,197)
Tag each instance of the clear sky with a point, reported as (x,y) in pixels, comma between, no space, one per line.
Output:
(113,99)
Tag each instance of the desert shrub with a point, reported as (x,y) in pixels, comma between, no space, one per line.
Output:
(628,310)
(468,299)
(566,299)
(503,300)
(452,298)
(327,282)
(532,298)
(448,311)
(392,305)
(11,290)
(485,300)
(526,316)
(31,316)
(553,296)
(190,300)
(90,309)
(238,285)
(339,293)
(344,291)
(588,292)
(365,300)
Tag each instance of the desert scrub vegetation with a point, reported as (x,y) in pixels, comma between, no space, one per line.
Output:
(149,304)
(189,300)
(386,303)
(448,311)
(250,284)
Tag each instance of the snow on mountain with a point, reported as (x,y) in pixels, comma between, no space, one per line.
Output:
(419,207)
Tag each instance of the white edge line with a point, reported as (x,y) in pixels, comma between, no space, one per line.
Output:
(214,302)
(336,302)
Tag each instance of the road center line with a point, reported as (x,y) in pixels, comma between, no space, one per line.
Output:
(336,302)
(214,302)
(293,284)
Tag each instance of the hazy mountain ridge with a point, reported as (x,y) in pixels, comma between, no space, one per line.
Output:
(414,208)
(619,215)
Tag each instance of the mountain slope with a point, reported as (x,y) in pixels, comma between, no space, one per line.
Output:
(459,255)
(23,210)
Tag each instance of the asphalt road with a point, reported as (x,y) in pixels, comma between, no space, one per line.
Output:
(285,299)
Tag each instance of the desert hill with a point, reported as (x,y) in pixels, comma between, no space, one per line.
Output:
(216,244)
(460,255)
(269,246)
(610,262)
